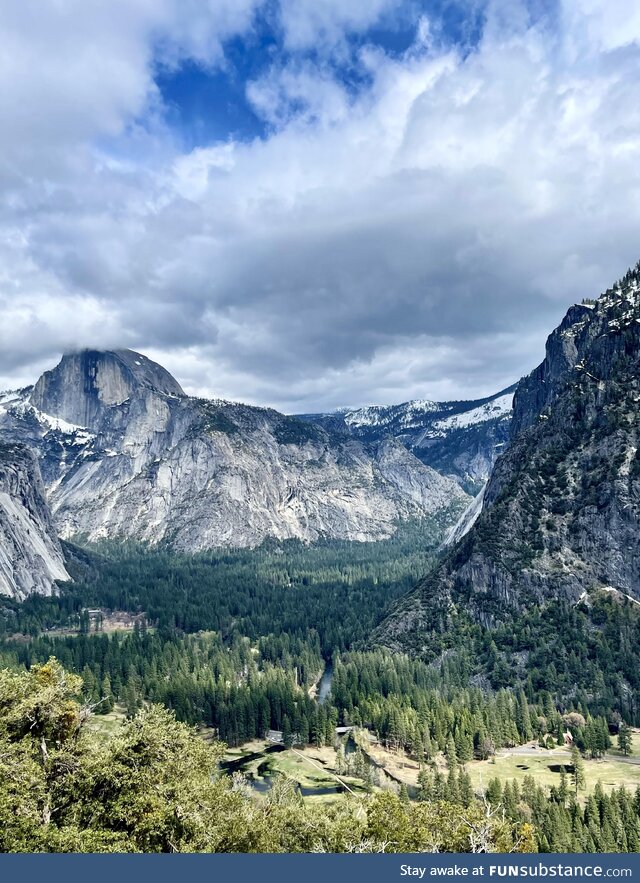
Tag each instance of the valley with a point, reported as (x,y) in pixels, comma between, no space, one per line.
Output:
(364,766)
(333,620)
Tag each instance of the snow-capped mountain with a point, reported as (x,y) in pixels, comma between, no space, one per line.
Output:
(458,439)
(124,452)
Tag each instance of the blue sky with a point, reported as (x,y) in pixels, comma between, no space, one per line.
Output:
(206,104)
(313,203)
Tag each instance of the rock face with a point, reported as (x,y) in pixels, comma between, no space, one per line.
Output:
(459,439)
(466,521)
(561,513)
(125,453)
(30,555)
(86,388)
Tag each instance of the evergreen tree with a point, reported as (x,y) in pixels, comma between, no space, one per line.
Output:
(577,771)
(523,718)
(625,739)
(451,754)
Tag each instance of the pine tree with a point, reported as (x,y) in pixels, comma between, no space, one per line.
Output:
(523,718)
(577,771)
(107,696)
(287,735)
(424,783)
(451,754)
(494,791)
(563,790)
(624,739)
(465,788)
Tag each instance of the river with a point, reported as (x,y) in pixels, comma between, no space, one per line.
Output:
(324,687)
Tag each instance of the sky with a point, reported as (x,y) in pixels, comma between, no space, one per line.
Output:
(309,204)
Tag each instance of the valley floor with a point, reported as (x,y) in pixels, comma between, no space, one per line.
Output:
(301,764)
(320,776)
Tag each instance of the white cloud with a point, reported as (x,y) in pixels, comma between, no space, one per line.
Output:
(299,93)
(323,23)
(419,238)
(76,70)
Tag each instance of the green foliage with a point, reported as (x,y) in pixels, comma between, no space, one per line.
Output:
(604,823)
(443,827)
(156,787)
(624,739)
(340,590)
(292,431)
(424,709)
(237,638)
(577,771)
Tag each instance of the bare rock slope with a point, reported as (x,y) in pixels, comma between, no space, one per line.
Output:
(31,558)
(125,453)
(459,439)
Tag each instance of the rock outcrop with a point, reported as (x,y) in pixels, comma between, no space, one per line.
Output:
(125,453)
(561,513)
(459,439)
(31,558)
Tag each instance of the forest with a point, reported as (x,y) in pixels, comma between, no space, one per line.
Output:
(235,641)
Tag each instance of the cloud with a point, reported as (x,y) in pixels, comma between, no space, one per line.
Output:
(78,70)
(415,237)
(324,23)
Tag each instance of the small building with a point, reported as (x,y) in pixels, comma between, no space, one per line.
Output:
(568,739)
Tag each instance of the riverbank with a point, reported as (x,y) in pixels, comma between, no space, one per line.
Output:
(313,769)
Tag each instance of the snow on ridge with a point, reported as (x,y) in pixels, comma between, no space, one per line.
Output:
(9,397)
(81,434)
(379,415)
(369,416)
(411,415)
(499,407)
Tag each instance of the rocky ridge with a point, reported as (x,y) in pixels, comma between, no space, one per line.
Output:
(125,453)
(561,511)
(459,439)
(31,558)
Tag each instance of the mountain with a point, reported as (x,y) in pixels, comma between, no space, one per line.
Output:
(458,439)
(125,453)
(561,512)
(31,558)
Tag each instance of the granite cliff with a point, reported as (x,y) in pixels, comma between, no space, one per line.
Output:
(124,453)
(459,439)
(31,558)
(561,512)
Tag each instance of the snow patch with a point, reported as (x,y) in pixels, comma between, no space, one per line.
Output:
(499,407)
(80,435)
(381,415)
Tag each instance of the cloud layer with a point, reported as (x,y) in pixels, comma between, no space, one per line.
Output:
(414,235)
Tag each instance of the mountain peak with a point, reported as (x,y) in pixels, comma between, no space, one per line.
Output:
(86,382)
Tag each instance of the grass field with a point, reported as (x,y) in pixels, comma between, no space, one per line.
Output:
(107,724)
(543,765)
(312,768)
(545,769)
